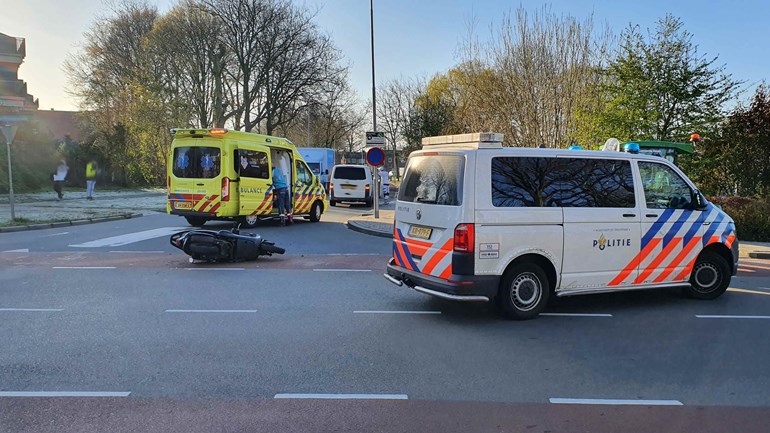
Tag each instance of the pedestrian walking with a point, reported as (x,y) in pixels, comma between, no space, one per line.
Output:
(90,179)
(385,181)
(282,192)
(59,177)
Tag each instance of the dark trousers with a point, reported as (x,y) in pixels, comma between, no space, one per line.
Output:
(58,185)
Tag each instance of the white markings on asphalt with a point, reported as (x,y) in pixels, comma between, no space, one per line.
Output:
(753,292)
(615,402)
(20,250)
(342,270)
(214,269)
(355,254)
(346,396)
(84,267)
(395,312)
(719,316)
(63,394)
(139,252)
(32,309)
(130,238)
(55,234)
(211,311)
(577,314)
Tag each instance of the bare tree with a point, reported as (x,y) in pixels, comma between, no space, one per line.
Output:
(396,100)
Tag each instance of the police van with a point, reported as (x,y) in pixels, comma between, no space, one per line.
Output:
(477,222)
(218,174)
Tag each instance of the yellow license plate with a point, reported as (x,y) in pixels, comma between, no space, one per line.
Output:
(420,232)
(348,187)
(183,205)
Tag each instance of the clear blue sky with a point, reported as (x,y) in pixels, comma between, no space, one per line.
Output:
(412,37)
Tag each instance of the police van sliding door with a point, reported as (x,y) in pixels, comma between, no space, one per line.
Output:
(253,162)
(602,223)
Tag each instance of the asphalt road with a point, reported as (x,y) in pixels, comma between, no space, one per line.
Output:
(113,309)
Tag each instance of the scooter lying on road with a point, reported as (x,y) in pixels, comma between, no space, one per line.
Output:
(223,245)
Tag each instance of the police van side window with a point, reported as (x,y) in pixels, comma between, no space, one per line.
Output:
(434,179)
(253,164)
(663,187)
(561,182)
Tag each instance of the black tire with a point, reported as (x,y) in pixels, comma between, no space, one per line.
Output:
(195,221)
(369,201)
(249,221)
(710,276)
(523,292)
(270,248)
(315,212)
(332,203)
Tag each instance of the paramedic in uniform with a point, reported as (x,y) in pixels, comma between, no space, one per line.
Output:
(385,180)
(281,191)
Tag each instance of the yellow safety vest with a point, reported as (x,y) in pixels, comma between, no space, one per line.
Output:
(90,171)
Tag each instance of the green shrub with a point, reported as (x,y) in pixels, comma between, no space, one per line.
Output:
(751,216)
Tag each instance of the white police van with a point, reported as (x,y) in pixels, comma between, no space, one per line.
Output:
(475,221)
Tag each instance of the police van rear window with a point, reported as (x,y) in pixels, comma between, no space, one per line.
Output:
(196,162)
(350,173)
(433,179)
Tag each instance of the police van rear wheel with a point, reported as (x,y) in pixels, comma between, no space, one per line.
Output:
(315,212)
(250,221)
(523,292)
(710,277)
(195,221)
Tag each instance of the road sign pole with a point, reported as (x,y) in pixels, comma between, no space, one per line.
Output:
(376,193)
(10,132)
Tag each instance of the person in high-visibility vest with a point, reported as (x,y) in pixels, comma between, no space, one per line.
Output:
(90,179)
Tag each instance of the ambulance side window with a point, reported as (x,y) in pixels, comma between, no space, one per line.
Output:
(253,164)
(663,187)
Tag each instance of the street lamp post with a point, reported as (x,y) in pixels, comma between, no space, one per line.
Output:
(9,131)
(374,113)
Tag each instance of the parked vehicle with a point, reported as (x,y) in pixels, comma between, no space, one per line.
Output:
(475,222)
(223,245)
(350,183)
(217,174)
(319,159)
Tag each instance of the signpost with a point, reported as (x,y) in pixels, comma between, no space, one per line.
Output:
(9,132)
(375,157)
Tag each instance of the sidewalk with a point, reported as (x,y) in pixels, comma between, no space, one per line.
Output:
(40,210)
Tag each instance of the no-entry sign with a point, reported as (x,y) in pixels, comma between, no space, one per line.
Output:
(375,157)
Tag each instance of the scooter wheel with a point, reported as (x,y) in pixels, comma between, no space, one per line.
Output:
(271,249)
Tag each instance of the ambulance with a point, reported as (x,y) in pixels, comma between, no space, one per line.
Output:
(218,174)
(475,221)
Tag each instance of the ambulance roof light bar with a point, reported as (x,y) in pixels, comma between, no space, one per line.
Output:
(479,140)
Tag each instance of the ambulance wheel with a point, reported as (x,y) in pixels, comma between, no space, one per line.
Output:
(710,276)
(249,221)
(195,221)
(523,292)
(315,212)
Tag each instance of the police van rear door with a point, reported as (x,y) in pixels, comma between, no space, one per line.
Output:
(429,207)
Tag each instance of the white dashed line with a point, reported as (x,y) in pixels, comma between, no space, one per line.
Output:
(342,270)
(615,402)
(139,252)
(62,394)
(214,269)
(576,314)
(84,267)
(211,311)
(20,250)
(32,309)
(396,312)
(346,396)
(717,316)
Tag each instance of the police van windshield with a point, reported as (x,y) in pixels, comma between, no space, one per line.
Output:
(434,179)
(196,162)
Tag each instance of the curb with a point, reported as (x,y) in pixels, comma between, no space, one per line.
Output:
(68,223)
(357,228)
(760,255)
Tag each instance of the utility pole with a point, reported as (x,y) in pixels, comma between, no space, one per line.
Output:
(308,124)
(374,114)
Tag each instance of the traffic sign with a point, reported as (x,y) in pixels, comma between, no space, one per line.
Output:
(375,156)
(375,138)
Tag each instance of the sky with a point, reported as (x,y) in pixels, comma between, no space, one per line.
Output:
(413,38)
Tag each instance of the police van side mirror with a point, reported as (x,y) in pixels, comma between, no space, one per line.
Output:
(699,202)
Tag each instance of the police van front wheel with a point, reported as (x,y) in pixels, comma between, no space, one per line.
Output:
(710,276)
(523,292)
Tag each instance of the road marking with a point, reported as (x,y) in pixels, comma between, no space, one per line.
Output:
(603,401)
(346,396)
(55,234)
(139,252)
(395,312)
(211,311)
(355,254)
(577,314)
(63,394)
(342,270)
(32,309)
(753,292)
(84,267)
(20,250)
(130,238)
(719,316)
(753,266)
(742,269)
(214,269)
